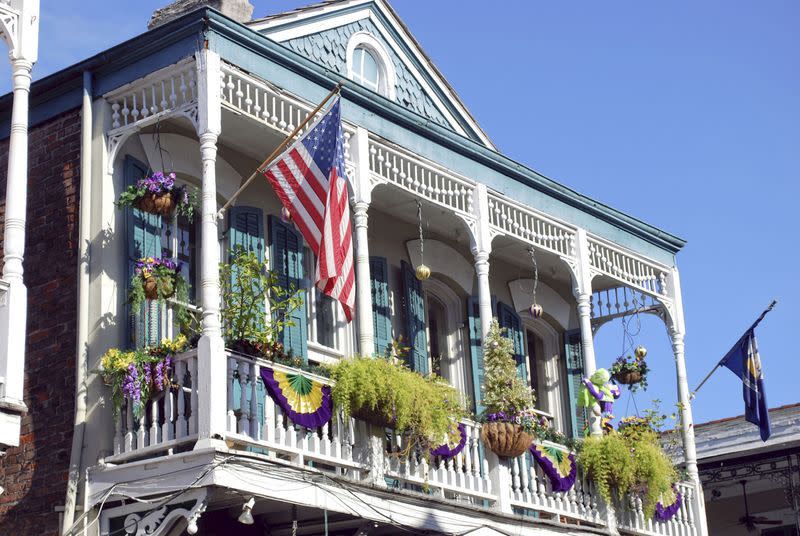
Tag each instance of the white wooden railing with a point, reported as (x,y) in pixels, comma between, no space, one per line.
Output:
(531,226)
(632,519)
(169,419)
(633,270)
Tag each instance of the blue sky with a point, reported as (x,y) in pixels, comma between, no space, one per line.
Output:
(685,114)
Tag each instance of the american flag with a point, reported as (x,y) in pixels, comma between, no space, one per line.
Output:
(310,180)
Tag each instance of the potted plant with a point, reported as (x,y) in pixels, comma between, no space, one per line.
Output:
(506,398)
(630,371)
(387,394)
(158,194)
(247,284)
(630,460)
(134,375)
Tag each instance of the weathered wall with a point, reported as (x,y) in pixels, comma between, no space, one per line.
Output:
(34,474)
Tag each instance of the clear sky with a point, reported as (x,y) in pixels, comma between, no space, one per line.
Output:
(685,114)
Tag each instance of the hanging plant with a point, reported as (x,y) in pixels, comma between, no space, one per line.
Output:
(135,375)
(389,395)
(158,279)
(630,371)
(507,399)
(630,460)
(158,194)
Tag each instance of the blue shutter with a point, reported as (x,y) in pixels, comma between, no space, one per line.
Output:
(508,318)
(476,352)
(286,252)
(573,353)
(381,312)
(144,240)
(246,231)
(414,305)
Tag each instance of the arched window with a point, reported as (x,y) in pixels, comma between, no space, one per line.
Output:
(369,64)
(365,69)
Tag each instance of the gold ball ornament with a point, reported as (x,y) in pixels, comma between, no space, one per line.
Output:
(286,216)
(423,272)
(536,310)
(640,352)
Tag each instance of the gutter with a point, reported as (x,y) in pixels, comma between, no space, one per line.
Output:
(82,338)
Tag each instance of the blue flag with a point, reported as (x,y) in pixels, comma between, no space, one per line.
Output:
(743,360)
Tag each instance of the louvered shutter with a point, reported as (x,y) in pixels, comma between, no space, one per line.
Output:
(476,352)
(246,231)
(508,318)
(144,240)
(286,253)
(414,306)
(573,352)
(381,311)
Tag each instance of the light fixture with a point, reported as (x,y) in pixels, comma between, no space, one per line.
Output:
(246,517)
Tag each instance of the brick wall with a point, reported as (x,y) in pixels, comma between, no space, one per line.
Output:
(34,474)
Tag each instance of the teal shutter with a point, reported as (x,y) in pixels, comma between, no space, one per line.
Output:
(144,240)
(573,353)
(508,318)
(381,312)
(246,231)
(414,305)
(286,252)
(476,352)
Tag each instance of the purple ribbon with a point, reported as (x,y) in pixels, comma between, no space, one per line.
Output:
(318,418)
(665,513)
(446,451)
(558,482)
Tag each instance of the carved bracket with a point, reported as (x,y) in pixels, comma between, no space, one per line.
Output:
(162,519)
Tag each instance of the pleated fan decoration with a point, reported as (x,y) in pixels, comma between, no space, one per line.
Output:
(305,401)
(559,466)
(447,450)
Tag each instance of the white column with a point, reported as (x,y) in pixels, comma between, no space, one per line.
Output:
(582,289)
(211,364)
(361,200)
(13,313)
(677,330)
(481,248)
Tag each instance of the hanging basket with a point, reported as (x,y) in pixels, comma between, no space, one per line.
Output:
(374,416)
(151,285)
(628,378)
(162,204)
(505,439)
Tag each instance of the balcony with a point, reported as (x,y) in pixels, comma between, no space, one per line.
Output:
(353,451)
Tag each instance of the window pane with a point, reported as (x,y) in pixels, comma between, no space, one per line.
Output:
(370,68)
(326,320)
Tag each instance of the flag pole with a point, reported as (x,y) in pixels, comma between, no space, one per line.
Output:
(279,149)
(751,328)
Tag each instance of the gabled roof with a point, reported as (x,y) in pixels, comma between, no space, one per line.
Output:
(316,29)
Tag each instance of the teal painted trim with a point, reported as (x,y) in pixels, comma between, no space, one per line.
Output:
(248,49)
(573,357)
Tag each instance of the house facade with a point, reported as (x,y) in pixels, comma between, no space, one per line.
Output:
(743,476)
(208,97)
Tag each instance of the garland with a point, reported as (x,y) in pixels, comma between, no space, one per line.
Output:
(559,466)
(305,401)
(665,513)
(446,451)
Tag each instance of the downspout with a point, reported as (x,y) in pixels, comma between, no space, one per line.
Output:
(82,342)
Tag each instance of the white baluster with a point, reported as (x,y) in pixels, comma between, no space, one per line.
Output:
(231,424)
(118,432)
(244,406)
(255,424)
(168,428)
(154,422)
(193,394)
(128,426)
(181,428)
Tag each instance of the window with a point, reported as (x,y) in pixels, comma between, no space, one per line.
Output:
(437,334)
(369,64)
(178,241)
(365,69)
(325,317)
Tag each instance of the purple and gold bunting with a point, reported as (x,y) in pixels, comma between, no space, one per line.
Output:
(447,450)
(305,401)
(559,466)
(665,513)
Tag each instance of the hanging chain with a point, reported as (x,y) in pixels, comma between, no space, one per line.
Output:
(421,238)
(161,149)
(535,272)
